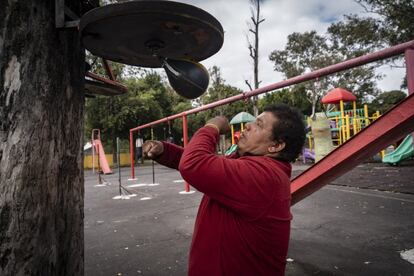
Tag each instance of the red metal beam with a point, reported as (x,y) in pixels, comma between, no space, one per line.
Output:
(131,153)
(105,80)
(409,65)
(108,69)
(393,125)
(383,54)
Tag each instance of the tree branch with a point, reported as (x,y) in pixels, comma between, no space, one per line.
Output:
(248,84)
(254,20)
(251,50)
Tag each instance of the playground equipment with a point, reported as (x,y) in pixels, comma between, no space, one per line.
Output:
(156,34)
(233,147)
(346,123)
(321,144)
(240,118)
(391,126)
(340,119)
(308,154)
(404,151)
(99,150)
(124,193)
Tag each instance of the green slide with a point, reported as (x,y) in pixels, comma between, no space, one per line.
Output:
(405,150)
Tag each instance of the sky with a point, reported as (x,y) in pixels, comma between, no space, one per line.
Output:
(282,17)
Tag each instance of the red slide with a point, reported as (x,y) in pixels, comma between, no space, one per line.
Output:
(102,159)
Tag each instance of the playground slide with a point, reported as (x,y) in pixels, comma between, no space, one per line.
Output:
(393,125)
(405,150)
(102,159)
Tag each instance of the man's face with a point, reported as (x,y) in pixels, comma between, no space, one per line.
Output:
(256,139)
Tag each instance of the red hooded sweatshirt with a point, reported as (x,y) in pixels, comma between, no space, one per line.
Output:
(243,222)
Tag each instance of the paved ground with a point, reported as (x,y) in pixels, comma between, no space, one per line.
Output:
(357,226)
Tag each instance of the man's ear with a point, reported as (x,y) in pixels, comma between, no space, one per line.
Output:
(276,147)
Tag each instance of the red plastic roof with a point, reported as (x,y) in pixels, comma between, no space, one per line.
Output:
(336,95)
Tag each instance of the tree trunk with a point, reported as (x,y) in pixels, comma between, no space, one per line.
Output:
(41,130)
(254,50)
(256,59)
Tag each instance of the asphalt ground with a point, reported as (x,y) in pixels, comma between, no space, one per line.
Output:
(362,224)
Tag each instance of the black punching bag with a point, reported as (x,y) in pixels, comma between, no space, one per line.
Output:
(189,79)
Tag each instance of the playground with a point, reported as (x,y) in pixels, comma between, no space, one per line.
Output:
(86,85)
(360,224)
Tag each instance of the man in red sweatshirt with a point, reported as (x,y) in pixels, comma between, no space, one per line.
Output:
(243,222)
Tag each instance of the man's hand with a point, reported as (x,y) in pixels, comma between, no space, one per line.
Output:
(152,149)
(221,123)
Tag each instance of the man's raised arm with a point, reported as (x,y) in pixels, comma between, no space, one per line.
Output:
(166,154)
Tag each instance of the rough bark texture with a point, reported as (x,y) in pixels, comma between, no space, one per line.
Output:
(41,123)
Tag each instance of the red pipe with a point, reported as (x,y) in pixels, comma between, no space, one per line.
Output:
(163,120)
(185,142)
(131,153)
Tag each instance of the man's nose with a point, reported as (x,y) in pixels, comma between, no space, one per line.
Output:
(248,126)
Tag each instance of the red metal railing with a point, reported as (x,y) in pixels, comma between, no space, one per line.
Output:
(407,48)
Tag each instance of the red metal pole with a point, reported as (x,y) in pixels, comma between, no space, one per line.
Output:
(93,146)
(185,142)
(131,153)
(93,151)
(107,81)
(108,69)
(409,65)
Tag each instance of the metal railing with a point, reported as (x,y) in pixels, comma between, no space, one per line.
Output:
(404,48)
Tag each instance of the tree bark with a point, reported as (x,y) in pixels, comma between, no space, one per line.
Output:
(41,130)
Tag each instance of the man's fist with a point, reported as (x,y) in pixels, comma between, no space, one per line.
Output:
(152,149)
(221,123)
